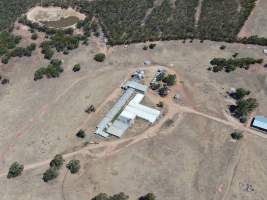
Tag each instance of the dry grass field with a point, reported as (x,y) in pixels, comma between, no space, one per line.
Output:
(187,157)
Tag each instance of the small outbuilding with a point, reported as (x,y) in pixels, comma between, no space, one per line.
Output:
(260,123)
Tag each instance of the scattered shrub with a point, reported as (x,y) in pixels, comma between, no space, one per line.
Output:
(15,170)
(100,57)
(155,85)
(57,162)
(101,196)
(163,91)
(235,55)
(50,174)
(222,47)
(240,94)
(152,46)
(160,104)
(73,166)
(81,134)
(170,79)
(53,70)
(76,68)
(237,135)
(149,196)
(34,36)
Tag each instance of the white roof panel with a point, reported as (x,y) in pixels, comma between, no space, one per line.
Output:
(137,99)
(127,114)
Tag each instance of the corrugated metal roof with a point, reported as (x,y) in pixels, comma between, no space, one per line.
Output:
(118,128)
(113,112)
(135,85)
(140,110)
(137,99)
(128,115)
(260,122)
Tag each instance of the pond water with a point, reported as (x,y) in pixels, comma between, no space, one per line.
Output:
(61,23)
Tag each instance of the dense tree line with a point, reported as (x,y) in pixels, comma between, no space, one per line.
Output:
(129,21)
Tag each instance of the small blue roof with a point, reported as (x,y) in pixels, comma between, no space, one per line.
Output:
(260,122)
(261,119)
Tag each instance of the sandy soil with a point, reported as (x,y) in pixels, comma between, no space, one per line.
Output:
(40,119)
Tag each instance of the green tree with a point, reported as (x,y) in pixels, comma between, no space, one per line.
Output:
(240,93)
(34,36)
(119,196)
(81,134)
(155,85)
(76,68)
(246,106)
(149,196)
(163,91)
(74,166)
(152,46)
(39,73)
(57,162)
(15,170)
(100,57)
(101,196)
(50,174)
(170,79)
(237,135)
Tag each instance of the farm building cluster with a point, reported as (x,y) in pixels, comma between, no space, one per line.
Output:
(127,108)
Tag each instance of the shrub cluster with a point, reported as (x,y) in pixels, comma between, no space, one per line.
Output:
(53,70)
(240,93)
(8,49)
(53,171)
(122,196)
(19,52)
(170,79)
(60,41)
(231,64)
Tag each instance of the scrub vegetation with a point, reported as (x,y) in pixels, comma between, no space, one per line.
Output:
(15,170)
(53,70)
(9,49)
(219,64)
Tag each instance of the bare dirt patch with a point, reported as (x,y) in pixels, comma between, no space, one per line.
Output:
(55,16)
